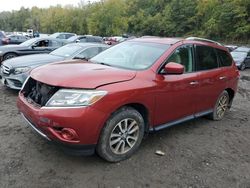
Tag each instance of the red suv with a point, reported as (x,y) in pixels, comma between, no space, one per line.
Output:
(142,85)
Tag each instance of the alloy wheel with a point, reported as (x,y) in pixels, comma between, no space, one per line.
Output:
(124,136)
(222,106)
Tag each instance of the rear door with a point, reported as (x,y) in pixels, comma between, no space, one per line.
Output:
(212,78)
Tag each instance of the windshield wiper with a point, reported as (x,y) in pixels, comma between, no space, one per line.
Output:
(82,58)
(102,63)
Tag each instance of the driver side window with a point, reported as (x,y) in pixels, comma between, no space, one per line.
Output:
(42,43)
(184,56)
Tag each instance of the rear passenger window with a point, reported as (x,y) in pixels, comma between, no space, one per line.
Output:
(206,58)
(225,59)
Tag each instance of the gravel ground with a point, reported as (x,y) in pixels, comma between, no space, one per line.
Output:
(199,153)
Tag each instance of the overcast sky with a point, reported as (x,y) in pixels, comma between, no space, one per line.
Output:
(7,5)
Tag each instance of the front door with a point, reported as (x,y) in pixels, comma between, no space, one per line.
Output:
(176,95)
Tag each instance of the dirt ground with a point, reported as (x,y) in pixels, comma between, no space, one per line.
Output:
(199,153)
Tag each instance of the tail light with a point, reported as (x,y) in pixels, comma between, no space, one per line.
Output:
(5,40)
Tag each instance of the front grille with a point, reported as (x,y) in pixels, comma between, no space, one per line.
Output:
(5,69)
(16,83)
(37,92)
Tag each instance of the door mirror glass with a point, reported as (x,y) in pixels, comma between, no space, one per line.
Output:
(174,68)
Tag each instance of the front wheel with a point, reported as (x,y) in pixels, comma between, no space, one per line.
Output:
(221,106)
(9,56)
(121,135)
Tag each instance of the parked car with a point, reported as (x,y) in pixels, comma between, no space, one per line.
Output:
(141,85)
(242,49)
(15,71)
(15,39)
(62,35)
(2,36)
(231,47)
(84,38)
(31,46)
(114,40)
(241,57)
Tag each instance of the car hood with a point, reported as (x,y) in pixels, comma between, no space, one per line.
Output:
(80,74)
(12,47)
(32,60)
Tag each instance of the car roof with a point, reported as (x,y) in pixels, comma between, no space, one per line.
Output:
(48,38)
(159,40)
(88,36)
(87,44)
(172,41)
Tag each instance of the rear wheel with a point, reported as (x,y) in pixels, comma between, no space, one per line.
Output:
(221,106)
(9,56)
(122,135)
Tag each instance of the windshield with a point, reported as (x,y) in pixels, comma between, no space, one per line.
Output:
(131,55)
(238,55)
(28,42)
(72,39)
(55,35)
(66,51)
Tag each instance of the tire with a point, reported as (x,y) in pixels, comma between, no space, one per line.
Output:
(115,143)
(9,56)
(221,106)
(243,66)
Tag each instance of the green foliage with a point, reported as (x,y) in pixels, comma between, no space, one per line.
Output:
(214,19)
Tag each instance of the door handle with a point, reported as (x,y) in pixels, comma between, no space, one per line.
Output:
(194,83)
(222,77)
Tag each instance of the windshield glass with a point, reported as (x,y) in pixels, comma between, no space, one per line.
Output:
(66,51)
(28,42)
(238,55)
(55,35)
(72,39)
(131,55)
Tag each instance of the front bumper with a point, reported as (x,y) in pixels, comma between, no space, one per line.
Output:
(67,148)
(87,123)
(13,81)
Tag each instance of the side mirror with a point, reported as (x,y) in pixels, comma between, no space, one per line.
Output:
(77,40)
(174,68)
(33,46)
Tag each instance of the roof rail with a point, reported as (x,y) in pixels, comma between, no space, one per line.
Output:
(203,39)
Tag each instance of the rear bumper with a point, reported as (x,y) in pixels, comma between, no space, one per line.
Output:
(78,150)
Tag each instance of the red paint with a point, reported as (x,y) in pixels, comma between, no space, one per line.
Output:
(174,68)
(166,97)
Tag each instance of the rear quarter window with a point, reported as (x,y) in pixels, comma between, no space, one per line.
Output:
(225,59)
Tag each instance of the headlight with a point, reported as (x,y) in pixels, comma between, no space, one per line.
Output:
(75,97)
(20,70)
(1,52)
